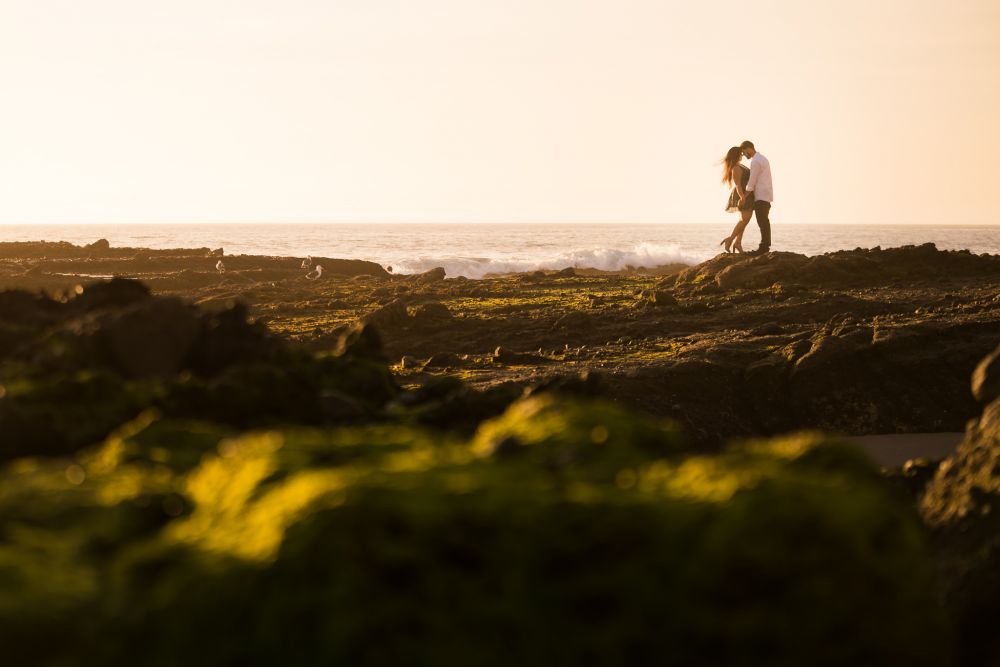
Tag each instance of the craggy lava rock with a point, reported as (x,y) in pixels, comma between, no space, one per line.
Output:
(986,378)
(72,371)
(430,313)
(362,340)
(427,277)
(962,505)
(844,268)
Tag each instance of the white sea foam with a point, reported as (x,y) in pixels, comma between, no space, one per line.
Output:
(648,255)
(475,250)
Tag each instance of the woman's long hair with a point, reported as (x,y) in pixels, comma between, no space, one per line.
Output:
(733,157)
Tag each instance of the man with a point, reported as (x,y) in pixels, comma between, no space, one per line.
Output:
(760,186)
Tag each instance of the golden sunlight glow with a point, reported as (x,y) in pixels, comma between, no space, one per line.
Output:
(515,110)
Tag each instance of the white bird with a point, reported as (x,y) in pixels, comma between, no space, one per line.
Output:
(220,267)
(315,273)
(307,262)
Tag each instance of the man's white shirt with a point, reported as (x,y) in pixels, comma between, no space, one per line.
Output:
(760,179)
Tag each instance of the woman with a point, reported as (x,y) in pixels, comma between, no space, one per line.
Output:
(737,175)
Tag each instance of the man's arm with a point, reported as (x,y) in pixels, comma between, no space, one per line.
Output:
(754,175)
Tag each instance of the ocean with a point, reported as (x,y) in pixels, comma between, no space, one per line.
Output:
(474,250)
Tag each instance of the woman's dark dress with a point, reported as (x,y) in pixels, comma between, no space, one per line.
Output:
(734,196)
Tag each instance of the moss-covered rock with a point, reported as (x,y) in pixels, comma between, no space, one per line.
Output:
(592,537)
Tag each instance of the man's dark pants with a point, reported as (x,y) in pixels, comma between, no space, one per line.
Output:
(761,210)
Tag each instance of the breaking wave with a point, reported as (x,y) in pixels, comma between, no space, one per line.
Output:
(647,255)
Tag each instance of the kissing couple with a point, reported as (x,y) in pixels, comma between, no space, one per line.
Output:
(751,194)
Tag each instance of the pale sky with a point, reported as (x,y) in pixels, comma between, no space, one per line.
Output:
(870,111)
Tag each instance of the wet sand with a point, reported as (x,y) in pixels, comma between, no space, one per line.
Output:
(895,449)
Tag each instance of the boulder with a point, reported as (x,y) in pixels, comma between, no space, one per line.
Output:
(986,378)
(658,298)
(113,293)
(361,340)
(392,315)
(151,339)
(430,313)
(962,507)
(434,275)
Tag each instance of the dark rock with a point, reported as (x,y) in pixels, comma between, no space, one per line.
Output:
(509,446)
(434,275)
(444,360)
(151,339)
(568,272)
(694,307)
(906,265)
(361,340)
(586,383)
(391,315)
(340,408)
(986,378)
(913,477)
(99,245)
(574,320)
(768,329)
(18,307)
(228,339)
(659,298)
(533,277)
(345,267)
(962,506)
(504,356)
(114,293)
(430,313)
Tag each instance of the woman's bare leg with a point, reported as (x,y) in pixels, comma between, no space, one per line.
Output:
(740,228)
(734,237)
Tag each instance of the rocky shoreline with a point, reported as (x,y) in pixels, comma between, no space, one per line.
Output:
(139,387)
(861,342)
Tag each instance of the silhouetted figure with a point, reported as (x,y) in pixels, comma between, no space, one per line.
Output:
(760,185)
(737,175)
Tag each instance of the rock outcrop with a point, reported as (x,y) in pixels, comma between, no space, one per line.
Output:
(73,370)
(844,268)
(962,506)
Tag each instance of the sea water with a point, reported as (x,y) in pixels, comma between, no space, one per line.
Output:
(475,250)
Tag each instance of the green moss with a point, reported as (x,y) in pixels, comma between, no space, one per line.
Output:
(563,532)
(61,413)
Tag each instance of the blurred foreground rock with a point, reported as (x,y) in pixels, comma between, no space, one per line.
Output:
(72,370)
(562,532)
(962,505)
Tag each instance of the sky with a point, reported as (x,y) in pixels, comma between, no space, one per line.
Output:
(171,111)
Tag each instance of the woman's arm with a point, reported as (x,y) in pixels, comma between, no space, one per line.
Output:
(739,187)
